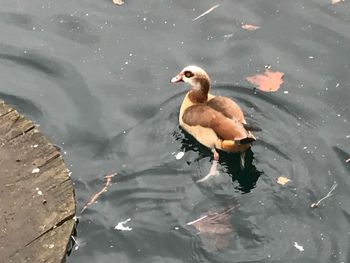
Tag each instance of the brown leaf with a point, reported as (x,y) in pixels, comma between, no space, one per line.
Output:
(249,27)
(268,81)
(118,2)
(282,180)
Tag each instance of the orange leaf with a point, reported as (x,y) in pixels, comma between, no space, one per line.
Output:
(269,81)
(282,180)
(249,27)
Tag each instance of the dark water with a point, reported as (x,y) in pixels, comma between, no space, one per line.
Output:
(96,78)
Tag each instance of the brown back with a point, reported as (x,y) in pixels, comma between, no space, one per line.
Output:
(205,116)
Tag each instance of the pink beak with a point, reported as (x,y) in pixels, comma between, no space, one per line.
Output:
(177,78)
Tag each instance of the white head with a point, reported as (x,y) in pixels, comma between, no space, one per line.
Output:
(193,75)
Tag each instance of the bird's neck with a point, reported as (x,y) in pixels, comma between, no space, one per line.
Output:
(199,91)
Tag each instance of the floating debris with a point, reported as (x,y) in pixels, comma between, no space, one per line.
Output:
(108,179)
(121,225)
(249,27)
(314,205)
(118,2)
(206,12)
(179,155)
(299,247)
(78,243)
(282,180)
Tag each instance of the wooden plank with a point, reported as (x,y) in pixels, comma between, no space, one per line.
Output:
(37,197)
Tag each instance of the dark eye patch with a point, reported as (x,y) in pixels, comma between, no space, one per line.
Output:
(188,74)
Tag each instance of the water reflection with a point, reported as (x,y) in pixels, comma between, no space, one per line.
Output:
(230,162)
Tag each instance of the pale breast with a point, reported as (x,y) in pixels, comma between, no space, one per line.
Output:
(205,136)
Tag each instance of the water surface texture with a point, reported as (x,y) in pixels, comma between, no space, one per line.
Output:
(95,77)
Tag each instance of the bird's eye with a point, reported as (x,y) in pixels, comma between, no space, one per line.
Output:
(188,74)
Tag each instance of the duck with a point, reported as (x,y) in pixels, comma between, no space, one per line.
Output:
(216,122)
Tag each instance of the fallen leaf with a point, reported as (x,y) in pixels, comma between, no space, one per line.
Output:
(268,81)
(282,180)
(118,2)
(249,27)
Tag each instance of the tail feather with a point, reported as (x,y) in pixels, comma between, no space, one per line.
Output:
(245,140)
(251,127)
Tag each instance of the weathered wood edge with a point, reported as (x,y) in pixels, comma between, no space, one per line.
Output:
(37,202)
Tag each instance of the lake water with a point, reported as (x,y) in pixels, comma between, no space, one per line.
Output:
(95,77)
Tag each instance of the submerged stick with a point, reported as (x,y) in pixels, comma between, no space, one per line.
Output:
(108,179)
(314,205)
(213,216)
(206,12)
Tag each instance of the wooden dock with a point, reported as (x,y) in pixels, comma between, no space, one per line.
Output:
(37,202)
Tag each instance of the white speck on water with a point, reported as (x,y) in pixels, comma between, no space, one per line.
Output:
(34,146)
(299,247)
(144,19)
(179,155)
(337,85)
(51,246)
(176,228)
(286,92)
(121,225)
(227,36)
(40,193)
(311,57)
(35,170)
